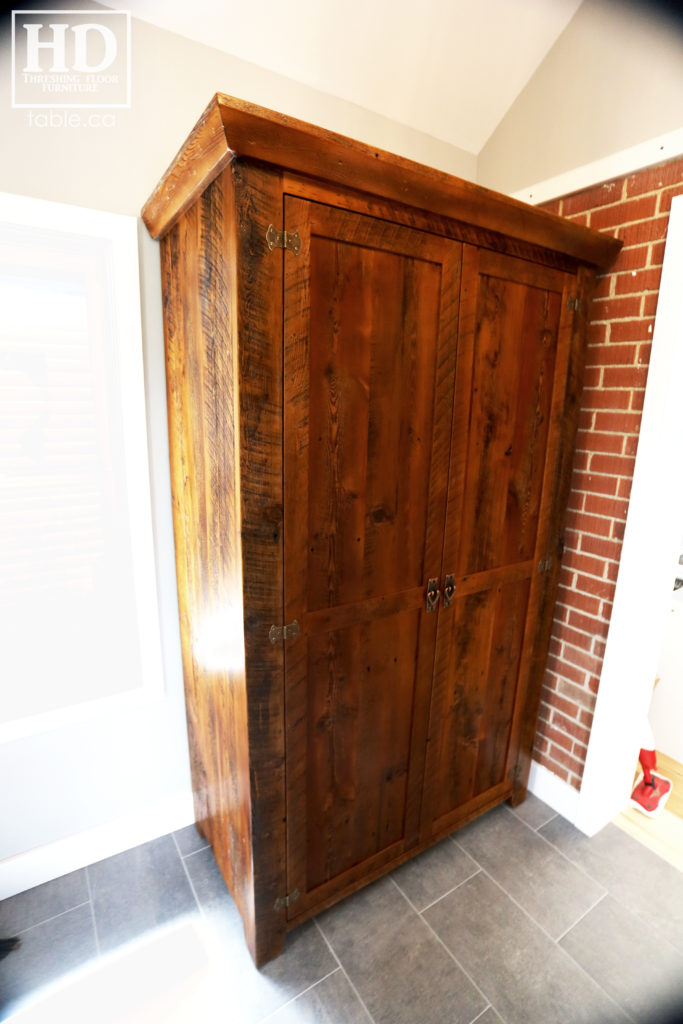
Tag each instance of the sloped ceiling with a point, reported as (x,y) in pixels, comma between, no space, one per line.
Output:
(450,68)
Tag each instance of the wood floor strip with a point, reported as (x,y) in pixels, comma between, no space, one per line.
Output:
(664,834)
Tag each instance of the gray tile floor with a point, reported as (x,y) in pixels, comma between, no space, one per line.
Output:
(516,918)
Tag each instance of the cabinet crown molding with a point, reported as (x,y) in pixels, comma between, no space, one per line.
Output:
(232,129)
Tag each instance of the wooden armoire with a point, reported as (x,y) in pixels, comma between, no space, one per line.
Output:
(373,376)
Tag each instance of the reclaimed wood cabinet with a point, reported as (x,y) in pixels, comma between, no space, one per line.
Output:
(373,375)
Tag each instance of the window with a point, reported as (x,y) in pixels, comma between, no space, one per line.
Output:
(78,607)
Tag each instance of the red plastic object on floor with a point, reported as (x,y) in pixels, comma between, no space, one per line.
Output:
(651,791)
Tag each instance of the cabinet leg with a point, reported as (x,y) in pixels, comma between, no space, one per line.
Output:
(518,796)
(520,779)
(264,943)
(202,830)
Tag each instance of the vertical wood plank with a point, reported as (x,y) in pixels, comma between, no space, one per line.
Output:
(199,283)
(511,353)
(370,322)
(258,203)
(556,485)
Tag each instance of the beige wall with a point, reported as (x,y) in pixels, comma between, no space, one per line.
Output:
(173,79)
(614,79)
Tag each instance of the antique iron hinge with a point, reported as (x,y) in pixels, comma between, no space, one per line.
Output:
(276,633)
(574,303)
(286,901)
(283,240)
(545,565)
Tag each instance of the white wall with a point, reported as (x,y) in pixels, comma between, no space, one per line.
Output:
(89,790)
(666,710)
(613,80)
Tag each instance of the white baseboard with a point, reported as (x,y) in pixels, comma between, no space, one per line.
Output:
(59,858)
(552,790)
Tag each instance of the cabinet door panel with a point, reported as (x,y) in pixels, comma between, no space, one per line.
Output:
(370,327)
(513,350)
(511,316)
(374,315)
(358,726)
(476,679)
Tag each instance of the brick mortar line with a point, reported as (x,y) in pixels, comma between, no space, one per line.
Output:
(574,609)
(583,689)
(621,319)
(572,774)
(592,636)
(565,733)
(588,533)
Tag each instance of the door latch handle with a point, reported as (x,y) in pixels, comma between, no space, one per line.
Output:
(449,590)
(432,595)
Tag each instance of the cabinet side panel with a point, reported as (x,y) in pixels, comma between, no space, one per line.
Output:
(259,203)
(199,282)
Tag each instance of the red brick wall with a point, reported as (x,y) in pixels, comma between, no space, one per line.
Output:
(636,209)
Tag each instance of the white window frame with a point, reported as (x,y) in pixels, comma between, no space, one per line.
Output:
(122,283)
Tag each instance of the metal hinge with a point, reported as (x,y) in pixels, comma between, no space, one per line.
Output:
(545,565)
(276,633)
(574,303)
(286,901)
(283,240)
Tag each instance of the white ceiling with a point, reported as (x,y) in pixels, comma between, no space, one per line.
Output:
(451,68)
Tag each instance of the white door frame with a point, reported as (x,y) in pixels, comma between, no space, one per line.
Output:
(644,584)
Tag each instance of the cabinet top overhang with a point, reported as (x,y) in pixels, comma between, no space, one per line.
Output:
(231,129)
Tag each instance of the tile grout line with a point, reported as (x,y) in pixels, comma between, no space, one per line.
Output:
(309,988)
(583,970)
(532,827)
(192,853)
(92,911)
(486,1010)
(450,952)
(661,937)
(187,875)
(581,917)
(443,895)
(184,856)
(54,917)
(343,970)
(557,850)
(555,942)
(519,905)
(607,891)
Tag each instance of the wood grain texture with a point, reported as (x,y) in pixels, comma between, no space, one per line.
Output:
(260,134)
(370,324)
(424,220)
(503,429)
(396,403)
(258,203)
(564,415)
(199,162)
(513,320)
(225,413)
(199,281)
